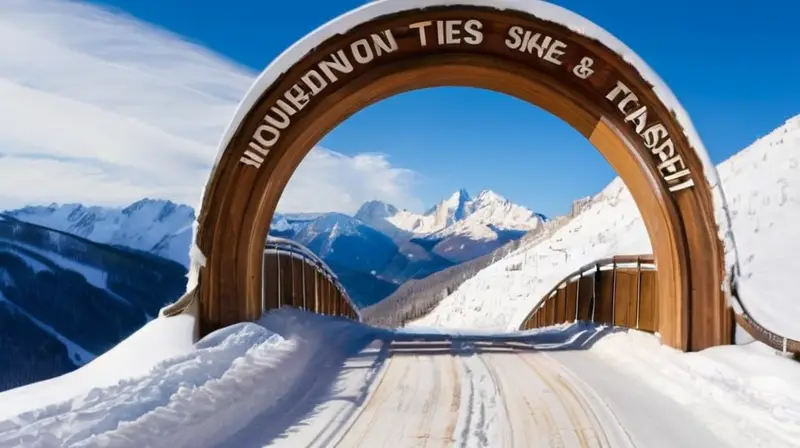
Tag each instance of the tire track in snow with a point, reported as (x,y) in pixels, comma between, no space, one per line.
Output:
(428,414)
(430,401)
(568,405)
(585,424)
(479,415)
(455,400)
(530,419)
(508,438)
(360,427)
(413,406)
(442,422)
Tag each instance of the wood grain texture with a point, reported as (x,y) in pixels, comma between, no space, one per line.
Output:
(241,199)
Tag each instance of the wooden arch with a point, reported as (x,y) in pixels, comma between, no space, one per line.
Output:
(524,49)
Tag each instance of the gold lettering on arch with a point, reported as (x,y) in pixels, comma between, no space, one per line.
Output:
(438,33)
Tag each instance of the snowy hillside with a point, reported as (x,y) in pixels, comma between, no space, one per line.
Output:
(156,226)
(762,184)
(64,300)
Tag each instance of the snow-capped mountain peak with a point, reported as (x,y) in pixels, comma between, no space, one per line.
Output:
(153,225)
(489,196)
(375,209)
(460,214)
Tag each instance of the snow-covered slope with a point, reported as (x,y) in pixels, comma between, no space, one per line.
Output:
(762,184)
(64,300)
(157,226)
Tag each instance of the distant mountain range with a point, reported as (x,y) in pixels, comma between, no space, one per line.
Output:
(65,299)
(160,227)
(372,252)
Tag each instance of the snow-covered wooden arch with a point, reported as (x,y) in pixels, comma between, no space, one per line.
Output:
(531,50)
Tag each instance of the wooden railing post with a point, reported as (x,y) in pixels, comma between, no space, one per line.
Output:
(578,296)
(638,289)
(303,279)
(293,294)
(280,293)
(317,301)
(264,280)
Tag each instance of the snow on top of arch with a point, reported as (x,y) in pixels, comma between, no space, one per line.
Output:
(536,8)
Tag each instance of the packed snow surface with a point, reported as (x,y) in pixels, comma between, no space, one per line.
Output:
(299,379)
(158,340)
(762,184)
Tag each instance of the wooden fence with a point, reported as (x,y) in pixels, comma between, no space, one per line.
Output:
(618,291)
(296,277)
(621,291)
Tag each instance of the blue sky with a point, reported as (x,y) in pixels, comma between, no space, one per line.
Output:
(730,66)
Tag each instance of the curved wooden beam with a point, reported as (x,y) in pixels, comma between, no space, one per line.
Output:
(517,48)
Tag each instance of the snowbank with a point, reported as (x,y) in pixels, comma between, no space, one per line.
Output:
(745,396)
(763,184)
(156,341)
(210,391)
(763,188)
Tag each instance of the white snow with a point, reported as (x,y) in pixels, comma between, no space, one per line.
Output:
(763,188)
(742,395)
(157,226)
(540,9)
(298,379)
(462,215)
(500,296)
(155,388)
(159,340)
(763,182)
(250,381)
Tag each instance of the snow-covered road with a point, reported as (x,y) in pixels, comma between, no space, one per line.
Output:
(475,391)
(415,404)
(299,379)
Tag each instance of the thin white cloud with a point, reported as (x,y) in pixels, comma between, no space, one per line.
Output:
(349,182)
(97,107)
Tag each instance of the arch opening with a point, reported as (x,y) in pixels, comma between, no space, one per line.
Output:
(392,48)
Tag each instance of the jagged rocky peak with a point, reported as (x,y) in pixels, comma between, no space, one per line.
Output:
(462,195)
(489,195)
(375,209)
(163,208)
